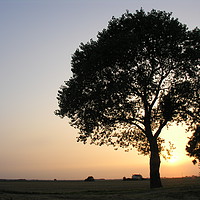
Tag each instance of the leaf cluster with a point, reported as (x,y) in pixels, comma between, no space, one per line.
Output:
(193,146)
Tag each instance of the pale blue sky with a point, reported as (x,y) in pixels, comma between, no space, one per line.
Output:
(37,39)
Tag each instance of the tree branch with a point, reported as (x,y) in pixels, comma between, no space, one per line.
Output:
(158,89)
(157,93)
(162,124)
(130,121)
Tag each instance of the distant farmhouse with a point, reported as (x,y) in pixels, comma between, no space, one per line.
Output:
(135,177)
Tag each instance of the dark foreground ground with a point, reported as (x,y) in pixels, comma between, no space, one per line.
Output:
(183,188)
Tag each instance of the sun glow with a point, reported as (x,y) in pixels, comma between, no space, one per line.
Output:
(178,158)
(173,160)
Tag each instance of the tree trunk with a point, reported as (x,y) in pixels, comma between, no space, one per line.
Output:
(155,181)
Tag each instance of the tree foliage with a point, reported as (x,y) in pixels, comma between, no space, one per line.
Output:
(138,76)
(193,146)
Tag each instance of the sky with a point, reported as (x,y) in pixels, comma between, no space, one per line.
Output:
(37,40)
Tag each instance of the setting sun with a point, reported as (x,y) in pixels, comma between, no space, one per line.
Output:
(173,160)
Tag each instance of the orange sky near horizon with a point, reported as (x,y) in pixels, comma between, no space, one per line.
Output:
(37,41)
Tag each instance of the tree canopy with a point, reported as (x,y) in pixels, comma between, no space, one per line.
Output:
(141,74)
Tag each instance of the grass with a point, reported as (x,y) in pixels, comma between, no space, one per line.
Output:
(183,189)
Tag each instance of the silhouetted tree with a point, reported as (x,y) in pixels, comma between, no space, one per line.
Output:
(137,77)
(193,146)
(89,179)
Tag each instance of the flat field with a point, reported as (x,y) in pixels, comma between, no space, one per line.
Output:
(180,188)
